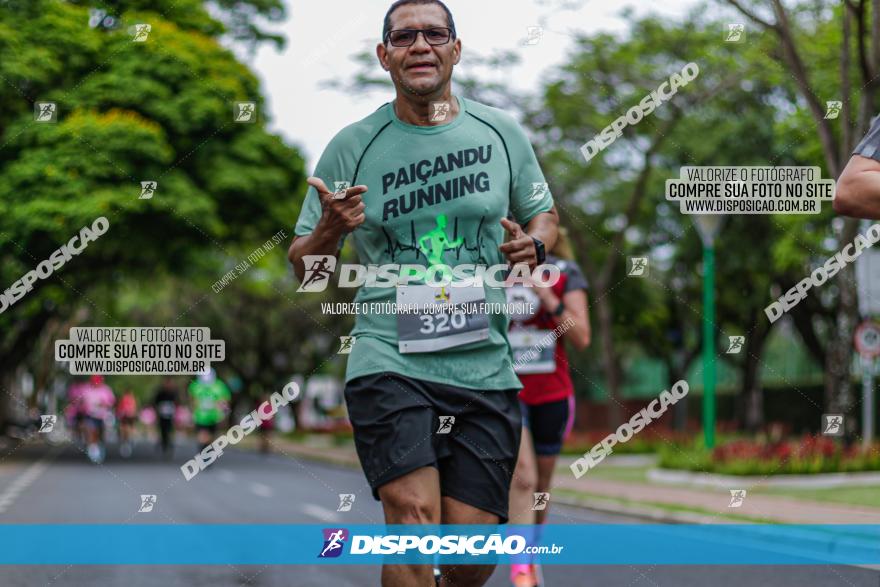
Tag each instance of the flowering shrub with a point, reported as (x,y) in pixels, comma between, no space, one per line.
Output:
(645,442)
(809,454)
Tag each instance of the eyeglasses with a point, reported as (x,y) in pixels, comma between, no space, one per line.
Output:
(406,37)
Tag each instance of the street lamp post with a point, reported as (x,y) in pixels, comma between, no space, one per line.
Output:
(708,225)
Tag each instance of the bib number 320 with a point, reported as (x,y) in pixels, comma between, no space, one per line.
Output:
(440,323)
(443,326)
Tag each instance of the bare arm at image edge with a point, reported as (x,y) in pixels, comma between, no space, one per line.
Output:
(858,188)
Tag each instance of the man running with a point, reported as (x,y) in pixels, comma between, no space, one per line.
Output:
(462,173)
(210,397)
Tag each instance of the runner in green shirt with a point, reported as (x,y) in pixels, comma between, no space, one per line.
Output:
(210,396)
(434,178)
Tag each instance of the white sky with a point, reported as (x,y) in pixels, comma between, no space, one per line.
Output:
(323,35)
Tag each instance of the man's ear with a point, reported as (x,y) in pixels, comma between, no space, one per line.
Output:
(382,53)
(456,51)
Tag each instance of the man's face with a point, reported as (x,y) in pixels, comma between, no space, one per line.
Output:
(420,69)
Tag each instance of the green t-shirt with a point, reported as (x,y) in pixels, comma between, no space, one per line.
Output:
(473,171)
(206,398)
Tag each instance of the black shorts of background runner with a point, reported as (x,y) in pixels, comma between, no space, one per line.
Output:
(549,424)
(166,430)
(96,423)
(395,421)
(209,428)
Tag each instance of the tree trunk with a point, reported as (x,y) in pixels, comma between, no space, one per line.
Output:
(838,384)
(609,358)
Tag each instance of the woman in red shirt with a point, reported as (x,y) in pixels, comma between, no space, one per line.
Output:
(547,397)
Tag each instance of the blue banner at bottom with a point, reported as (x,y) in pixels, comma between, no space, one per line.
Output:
(575,544)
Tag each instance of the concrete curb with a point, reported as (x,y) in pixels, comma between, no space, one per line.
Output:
(818,481)
(653,514)
(323,454)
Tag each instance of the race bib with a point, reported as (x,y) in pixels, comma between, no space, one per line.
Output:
(446,325)
(534,351)
(523,301)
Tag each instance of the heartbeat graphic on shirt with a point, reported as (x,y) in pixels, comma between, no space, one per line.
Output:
(394,247)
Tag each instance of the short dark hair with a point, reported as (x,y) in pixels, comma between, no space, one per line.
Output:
(387,24)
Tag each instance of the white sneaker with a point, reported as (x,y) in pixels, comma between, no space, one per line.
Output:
(94,452)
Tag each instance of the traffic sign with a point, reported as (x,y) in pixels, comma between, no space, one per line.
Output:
(867,339)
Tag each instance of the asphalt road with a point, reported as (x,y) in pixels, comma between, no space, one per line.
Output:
(59,486)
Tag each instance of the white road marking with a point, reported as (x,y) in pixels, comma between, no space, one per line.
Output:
(226,476)
(320,513)
(262,490)
(21,483)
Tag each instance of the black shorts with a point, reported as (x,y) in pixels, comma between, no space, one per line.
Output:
(96,423)
(396,421)
(210,428)
(549,424)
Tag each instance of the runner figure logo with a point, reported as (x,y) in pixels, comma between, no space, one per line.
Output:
(736,344)
(340,186)
(439,111)
(47,423)
(541,501)
(45,111)
(147,189)
(832,424)
(319,268)
(833,109)
(539,190)
(141,32)
(534,34)
(638,266)
(434,243)
(345,345)
(334,540)
(245,112)
(346,500)
(147,503)
(446,423)
(737,497)
(735,32)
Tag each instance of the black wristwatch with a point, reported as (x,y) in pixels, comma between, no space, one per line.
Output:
(539,249)
(559,309)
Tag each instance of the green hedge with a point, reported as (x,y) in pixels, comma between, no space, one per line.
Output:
(807,455)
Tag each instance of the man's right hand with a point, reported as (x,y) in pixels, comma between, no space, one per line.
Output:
(341,215)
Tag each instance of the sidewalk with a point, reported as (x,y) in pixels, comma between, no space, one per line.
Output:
(758,508)
(645,500)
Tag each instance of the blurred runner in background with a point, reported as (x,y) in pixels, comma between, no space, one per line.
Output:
(97,402)
(210,400)
(74,414)
(547,397)
(267,425)
(165,403)
(126,412)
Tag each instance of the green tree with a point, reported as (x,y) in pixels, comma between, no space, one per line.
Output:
(128,112)
(822,51)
